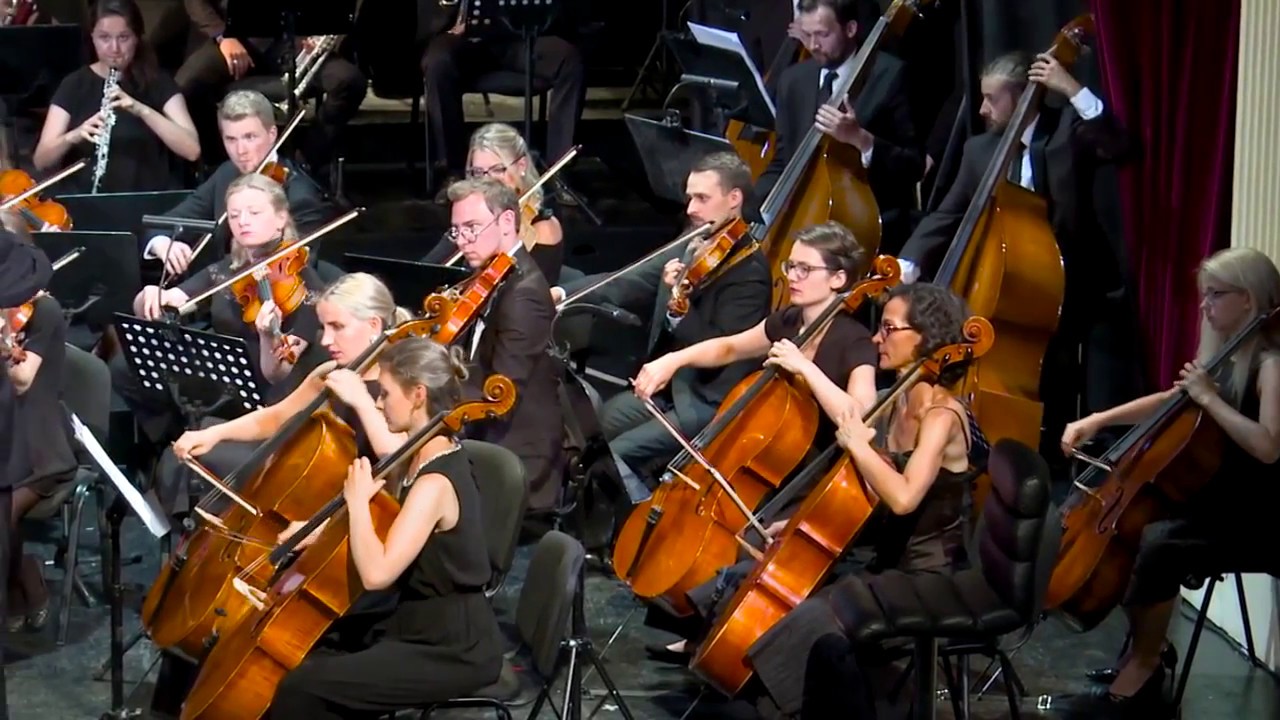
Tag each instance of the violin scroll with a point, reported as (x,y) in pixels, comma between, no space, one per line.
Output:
(499,399)
(900,13)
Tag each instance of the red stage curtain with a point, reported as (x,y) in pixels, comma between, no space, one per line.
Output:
(1169,70)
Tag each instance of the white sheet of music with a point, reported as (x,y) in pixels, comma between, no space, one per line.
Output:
(155,521)
(725,40)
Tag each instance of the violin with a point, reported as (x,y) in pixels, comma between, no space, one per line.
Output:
(279,281)
(452,311)
(712,260)
(13,321)
(36,212)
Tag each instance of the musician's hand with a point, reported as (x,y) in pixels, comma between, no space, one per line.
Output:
(785,355)
(654,376)
(1047,71)
(459,27)
(1078,433)
(776,527)
(348,387)
(175,254)
(671,271)
(841,123)
(268,320)
(557,295)
(794,31)
(851,432)
(90,130)
(293,528)
(237,57)
(121,100)
(360,486)
(195,443)
(308,43)
(290,348)
(154,300)
(1196,382)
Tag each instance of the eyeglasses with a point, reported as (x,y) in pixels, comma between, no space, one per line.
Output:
(801,270)
(886,329)
(467,231)
(1213,296)
(493,171)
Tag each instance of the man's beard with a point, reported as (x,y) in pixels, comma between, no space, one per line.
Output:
(996,126)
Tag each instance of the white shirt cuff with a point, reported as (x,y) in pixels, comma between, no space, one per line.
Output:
(149,253)
(673,321)
(910,272)
(1088,106)
(866,157)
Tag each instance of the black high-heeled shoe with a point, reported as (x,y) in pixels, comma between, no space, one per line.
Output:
(1150,702)
(1107,675)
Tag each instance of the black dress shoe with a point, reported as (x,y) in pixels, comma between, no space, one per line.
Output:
(1107,675)
(663,654)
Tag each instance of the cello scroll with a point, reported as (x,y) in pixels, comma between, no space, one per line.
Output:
(499,399)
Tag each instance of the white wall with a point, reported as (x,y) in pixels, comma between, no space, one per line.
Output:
(1262,593)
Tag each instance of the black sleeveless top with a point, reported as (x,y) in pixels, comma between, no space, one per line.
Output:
(1243,481)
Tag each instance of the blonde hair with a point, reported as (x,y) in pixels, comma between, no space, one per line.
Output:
(507,143)
(1253,273)
(365,297)
(240,104)
(279,203)
(421,361)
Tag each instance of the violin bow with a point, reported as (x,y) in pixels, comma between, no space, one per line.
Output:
(41,186)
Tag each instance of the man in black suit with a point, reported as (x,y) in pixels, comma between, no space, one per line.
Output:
(247,123)
(512,335)
(716,188)
(452,60)
(221,61)
(876,124)
(1067,145)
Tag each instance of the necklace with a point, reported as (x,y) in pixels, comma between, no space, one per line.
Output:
(452,449)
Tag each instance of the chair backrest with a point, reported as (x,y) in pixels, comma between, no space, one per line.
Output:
(86,390)
(1012,538)
(504,494)
(545,608)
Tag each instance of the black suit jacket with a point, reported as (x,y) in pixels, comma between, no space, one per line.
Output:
(735,301)
(24,270)
(1065,154)
(307,204)
(883,109)
(514,342)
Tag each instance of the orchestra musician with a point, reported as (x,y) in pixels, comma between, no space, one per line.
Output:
(222,62)
(453,59)
(716,187)
(512,336)
(1066,146)
(442,638)
(353,312)
(142,117)
(45,435)
(498,152)
(1226,526)
(877,122)
(247,123)
(8,9)
(24,271)
(258,215)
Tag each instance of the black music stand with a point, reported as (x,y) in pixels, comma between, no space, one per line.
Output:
(94,286)
(290,19)
(119,212)
(749,104)
(668,151)
(34,60)
(409,282)
(528,19)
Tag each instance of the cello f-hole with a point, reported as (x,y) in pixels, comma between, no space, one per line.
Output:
(1111,511)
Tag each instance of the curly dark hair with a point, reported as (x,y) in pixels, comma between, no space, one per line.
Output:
(938,315)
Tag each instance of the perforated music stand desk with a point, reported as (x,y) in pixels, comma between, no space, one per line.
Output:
(204,372)
(510,18)
(108,270)
(668,151)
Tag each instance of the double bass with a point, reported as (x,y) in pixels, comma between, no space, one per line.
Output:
(1005,262)
(824,180)
(687,530)
(238,679)
(1156,468)
(826,523)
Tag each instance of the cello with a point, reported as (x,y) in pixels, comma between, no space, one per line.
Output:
(826,523)
(824,180)
(1004,261)
(239,677)
(1156,467)
(688,529)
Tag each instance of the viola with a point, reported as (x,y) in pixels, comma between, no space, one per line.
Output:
(13,323)
(36,212)
(452,311)
(831,517)
(686,531)
(281,282)
(713,259)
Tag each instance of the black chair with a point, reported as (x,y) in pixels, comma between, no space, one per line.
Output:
(973,608)
(542,619)
(1199,628)
(500,477)
(86,392)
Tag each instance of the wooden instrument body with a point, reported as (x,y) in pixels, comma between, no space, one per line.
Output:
(1102,528)
(453,311)
(199,601)
(238,679)
(1012,274)
(280,282)
(695,535)
(712,259)
(798,559)
(833,188)
(36,212)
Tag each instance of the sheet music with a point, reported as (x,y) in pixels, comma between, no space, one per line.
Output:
(725,40)
(157,523)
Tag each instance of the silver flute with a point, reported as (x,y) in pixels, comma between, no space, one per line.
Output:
(307,64)
(108,121)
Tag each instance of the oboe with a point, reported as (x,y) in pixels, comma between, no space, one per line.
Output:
(108,121)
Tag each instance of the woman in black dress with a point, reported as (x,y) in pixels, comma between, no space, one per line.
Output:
(151,124)
(1227,528)
(44,432)
(441,641)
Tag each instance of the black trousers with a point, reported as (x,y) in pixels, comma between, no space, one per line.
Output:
(205,80)
(451,65)
(1171,551)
